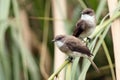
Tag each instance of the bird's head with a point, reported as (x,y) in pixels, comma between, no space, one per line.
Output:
(88,15)
(59,40)
(88,11)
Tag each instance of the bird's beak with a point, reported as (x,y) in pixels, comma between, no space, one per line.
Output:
(53,40)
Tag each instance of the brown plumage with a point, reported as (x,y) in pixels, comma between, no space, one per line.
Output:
(73,47)
(86,24)
(72,43)
(80,28)
(77,45)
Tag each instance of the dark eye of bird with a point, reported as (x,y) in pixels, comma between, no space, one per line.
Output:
(59,38)
(88,12)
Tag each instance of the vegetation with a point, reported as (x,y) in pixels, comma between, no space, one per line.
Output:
(28,26)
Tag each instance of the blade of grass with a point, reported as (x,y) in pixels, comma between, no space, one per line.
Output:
(4,55)
(16,13)
(68,71)
(74,68)
(16,63)
(83,5)
(4,9)
(4,59)
(15,58)
(58,70)
(115,29)
(44,45)
(104,69)
(86,62)
(100,9)
(105,47)
(109,60)
(2,76)
(85,73)
(47,18)
(28,61)
(105,24)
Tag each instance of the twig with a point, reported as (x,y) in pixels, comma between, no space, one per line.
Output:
(59,69)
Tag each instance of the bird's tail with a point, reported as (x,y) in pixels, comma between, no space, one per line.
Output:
(94,65)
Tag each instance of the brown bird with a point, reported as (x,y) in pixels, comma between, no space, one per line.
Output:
(73,47)
(86,24)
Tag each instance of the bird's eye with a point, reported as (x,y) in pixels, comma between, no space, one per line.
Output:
(88,12)
(59,38)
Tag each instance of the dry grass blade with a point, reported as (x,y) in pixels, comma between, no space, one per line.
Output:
(115,28)
(59,12)
(44,50)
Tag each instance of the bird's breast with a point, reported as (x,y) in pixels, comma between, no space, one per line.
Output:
(77,54)
(62,47)
(87,32)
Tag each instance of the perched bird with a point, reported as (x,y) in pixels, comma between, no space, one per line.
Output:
(86,24)
(73,47)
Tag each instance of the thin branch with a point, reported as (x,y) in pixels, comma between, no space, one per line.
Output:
(59,69)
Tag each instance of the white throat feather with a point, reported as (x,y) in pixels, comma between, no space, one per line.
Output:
(59,43)
(88,18)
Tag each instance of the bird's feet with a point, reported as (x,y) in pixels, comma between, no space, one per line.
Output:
(87,41)
(70,59)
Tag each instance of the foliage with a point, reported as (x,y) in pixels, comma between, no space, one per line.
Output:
(26,31)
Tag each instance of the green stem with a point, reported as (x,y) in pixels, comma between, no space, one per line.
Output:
(100,9)
(59,69)
(109,59)
(74,67)
(83,5)
(68,72)
(105,24)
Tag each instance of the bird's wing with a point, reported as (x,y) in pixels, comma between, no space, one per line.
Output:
(78,47)
(80,27)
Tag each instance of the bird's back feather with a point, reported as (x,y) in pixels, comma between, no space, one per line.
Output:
(77,46)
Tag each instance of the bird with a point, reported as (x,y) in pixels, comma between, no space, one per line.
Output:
(85,26)
(73,47)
